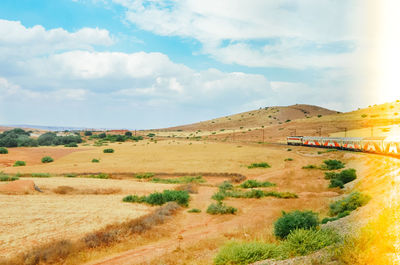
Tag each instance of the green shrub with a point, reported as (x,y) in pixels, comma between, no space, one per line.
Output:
(289,159)
(329,219)
(254,194)
(248,184)
(71,145)
(295,220)
(349,203)
(95,160)
(333,164)
(4,177)
(70,175)
(40,175)
(99,176)
(88,133)
(339,179)
(47,159)
(157,198)
(282,195)
(180,180)
(302,242)
(226,185)
(245,253)
(289,149)
(219,196)
(259,165)
(194,210)
(108,150)
(19,163)
(144,175)
(220,208)
(310,167)
(336,183)
(3,150)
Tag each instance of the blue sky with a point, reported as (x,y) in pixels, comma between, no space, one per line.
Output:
(150,64)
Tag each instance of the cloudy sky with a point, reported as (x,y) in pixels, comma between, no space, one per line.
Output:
(149,64)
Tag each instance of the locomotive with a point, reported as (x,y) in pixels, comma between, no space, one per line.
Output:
(379,145)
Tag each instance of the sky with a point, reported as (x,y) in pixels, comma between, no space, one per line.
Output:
(142,64)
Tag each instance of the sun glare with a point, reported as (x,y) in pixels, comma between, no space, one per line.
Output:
(389,50)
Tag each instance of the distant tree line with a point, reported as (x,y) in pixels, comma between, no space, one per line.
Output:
(116,137)
(19,138)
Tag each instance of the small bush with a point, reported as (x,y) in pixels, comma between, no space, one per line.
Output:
(329,219)
(226,185)
(289,159)
(108,150)
(144,175)
(95,160)
(310,167)
(179,196)
(7,178)
(3,150)
(302,242)
(19,163)
(349,203)
(220,208)
(248,184)
(194,210)
(70,175)
(40,175)
(295,220)
(245,253)
(47,159)
(339,179)
(71,145)
(259,165)
(289,149)
(333,164)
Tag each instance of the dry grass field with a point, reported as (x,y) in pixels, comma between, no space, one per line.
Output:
(31,220)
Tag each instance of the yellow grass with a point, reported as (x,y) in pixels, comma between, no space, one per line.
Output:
(163,156)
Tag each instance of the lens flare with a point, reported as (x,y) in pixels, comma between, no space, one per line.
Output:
(389,50)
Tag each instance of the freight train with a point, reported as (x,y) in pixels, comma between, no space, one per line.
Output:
(379,145)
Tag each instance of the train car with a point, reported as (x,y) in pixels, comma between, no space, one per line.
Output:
(352,143)
(313,141)
(329,142)
(391,145)
(295,140)
(373,144)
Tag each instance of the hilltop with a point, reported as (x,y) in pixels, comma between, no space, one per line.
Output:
(256,118)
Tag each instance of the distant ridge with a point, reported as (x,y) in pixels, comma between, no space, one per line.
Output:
(51,128)
(267,116)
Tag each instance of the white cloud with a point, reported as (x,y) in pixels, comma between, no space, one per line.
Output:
(291,22)
(21,42)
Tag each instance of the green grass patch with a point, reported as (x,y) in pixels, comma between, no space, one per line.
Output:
(157,198)
(180,180)
(144,175)
(108,150)
(253,193)
(248,184)
(349,203)
(19,163)
(40,175)
(194,210)
(332,164)
(71,175)
(289,159)
(298,243)
(220,208)
(95,160)
(99,176)
(47,159)
(3,150)
(4,177)
(259,165)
